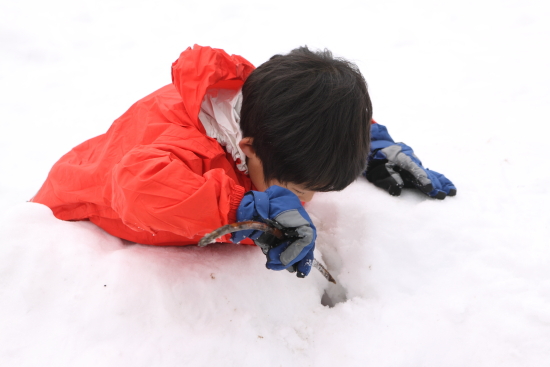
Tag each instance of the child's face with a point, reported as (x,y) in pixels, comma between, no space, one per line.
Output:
(303,194)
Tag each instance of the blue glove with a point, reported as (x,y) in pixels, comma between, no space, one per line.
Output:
(392,166)
(281,208)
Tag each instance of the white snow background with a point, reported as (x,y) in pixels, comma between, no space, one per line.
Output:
(459,282)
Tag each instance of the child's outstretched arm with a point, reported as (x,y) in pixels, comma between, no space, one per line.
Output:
(160,187)
(392,166)
(169,184)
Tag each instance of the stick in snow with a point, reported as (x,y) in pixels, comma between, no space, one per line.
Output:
(259,226)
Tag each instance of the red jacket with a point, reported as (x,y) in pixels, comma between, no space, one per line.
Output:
(155,177)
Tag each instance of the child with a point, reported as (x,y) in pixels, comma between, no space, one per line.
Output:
(180,162)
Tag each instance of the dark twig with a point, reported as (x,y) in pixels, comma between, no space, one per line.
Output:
(259,226)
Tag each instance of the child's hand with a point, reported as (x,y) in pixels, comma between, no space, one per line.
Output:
(392,166)
(281,208)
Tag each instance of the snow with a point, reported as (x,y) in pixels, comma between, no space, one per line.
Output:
(459,282)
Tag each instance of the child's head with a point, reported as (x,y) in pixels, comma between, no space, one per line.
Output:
(307,116)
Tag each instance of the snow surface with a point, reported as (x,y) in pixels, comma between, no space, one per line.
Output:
(459,282)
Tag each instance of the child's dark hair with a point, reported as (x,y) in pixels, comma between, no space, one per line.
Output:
(309,116)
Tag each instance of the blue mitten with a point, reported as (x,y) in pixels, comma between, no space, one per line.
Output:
(392,166)
(281,208)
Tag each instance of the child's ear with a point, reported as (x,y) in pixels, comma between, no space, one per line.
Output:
(246,146)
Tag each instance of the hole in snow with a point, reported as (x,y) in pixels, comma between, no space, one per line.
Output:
(333,295)
(326,300)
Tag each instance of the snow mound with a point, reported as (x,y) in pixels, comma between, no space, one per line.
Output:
(428,291)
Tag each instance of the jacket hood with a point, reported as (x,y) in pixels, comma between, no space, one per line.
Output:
(201,68)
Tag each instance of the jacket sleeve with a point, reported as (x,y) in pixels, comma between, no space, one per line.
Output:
(178,182)
(160,188)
